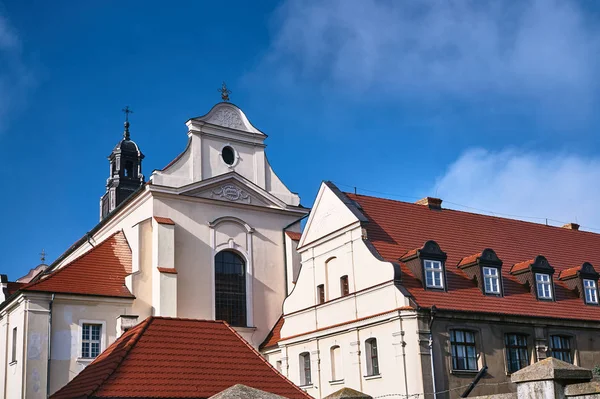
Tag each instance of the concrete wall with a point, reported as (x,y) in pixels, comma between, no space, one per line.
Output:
(489,336)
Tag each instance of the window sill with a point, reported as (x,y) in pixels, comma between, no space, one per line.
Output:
(305,387)
(244,329)
(465,372)
(372,377)
(86,360)
(336,382)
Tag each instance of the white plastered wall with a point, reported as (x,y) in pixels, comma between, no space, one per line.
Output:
(332,246)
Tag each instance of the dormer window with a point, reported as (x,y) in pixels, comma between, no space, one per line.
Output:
(591,291)
(583,280)
(434,274)
(537,275)
(428,265)
(484,269)
(543,284)
(491,280)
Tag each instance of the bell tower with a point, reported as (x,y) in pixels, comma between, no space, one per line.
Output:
(125,171)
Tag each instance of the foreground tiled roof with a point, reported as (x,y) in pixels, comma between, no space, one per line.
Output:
(177,358)
(100,271)
(396,227)
(274,335)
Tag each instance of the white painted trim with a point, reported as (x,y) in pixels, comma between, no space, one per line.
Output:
(248,259)
(103,338)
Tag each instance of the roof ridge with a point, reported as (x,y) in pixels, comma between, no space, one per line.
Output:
(55,272)
(262,358)
(469,213)
(137,332)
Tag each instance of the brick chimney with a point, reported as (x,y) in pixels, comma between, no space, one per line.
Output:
(571,226)
(431,202)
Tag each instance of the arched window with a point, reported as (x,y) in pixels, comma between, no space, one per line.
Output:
(230,288)
(336,363)
(305,377)
(372,356)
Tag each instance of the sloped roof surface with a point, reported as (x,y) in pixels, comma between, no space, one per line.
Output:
(274,335)
(177,358)
(100,271)
(396,227)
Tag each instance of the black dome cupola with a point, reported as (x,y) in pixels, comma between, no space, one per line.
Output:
(125,171)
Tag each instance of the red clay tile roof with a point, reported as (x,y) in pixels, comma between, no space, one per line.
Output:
(177,358)
(100,271)
(293,235)
(467,260)
(567,273)
(274,335)
(168,270)
(12,287)
(517,267)
(395,227)
(409,254)
(162,220)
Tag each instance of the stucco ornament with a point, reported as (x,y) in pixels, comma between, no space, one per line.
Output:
(227,118)
(231,193)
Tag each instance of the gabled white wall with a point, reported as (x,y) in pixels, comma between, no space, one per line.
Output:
(224,125)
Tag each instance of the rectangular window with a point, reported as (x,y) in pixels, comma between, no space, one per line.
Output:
(434,274)
(464,352)
(544,285)
(344,288)
(591,292)
(13,357)
(517,355)
(372,357)
(320,293)
(561,348)
(305,374)
(90,340)
(491,280)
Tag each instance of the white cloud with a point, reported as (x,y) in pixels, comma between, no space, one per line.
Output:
(15,77)
(562,188)
(543,50)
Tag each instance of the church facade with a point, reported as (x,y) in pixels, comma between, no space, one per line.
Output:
(203,238)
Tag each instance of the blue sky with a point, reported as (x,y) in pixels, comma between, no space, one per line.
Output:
(491,106)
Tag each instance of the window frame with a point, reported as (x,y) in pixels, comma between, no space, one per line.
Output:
(372,359)
(14,348)
(344,286)
(465,344)
(81,323)
(518,347)
(593,289)
(497,277)
(548,283)
(337,364)
(244,318)
(570,350)
(320,294)
(441,270)
(305,369)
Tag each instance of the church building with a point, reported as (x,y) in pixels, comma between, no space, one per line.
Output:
(203,238)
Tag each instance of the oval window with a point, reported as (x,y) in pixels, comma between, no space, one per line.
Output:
(228,155)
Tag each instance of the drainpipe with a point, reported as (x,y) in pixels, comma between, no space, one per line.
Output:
(319,369)
(49,345)
(431,318)
(360,376)
(403,344)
